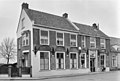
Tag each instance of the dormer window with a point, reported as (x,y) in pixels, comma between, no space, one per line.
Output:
(92,42)
(73,40)
(60,39)
(44,37)
(102,43)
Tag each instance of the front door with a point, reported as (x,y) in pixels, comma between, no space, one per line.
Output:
(92,64)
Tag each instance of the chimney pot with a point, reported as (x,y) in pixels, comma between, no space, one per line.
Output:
(95,26)
(65,15)
(25,5)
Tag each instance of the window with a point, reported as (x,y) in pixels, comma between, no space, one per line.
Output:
(102,58)
(60,40)
(83,41)
(25,39)
(92,42)
(44,60)
(25,60)
(23,23)
(114,61)
(19,43)
(59,60)
(44,37)
(73,40)
(83,60)
(102,43)
(73,61)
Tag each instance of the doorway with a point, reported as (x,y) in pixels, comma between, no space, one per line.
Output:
(92,64)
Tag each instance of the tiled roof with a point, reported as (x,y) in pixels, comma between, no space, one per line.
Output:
(114,41)
(90,31)
(50,20)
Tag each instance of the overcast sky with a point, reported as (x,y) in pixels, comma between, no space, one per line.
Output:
(104,12)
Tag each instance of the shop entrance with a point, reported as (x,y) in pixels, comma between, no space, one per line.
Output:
(92,64)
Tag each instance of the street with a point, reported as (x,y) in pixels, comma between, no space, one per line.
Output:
(108,76)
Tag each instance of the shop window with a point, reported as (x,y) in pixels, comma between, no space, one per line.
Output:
(44,37)
(73,61)
(73,40)
(60,39)
(83,60)
(59,60)
(44,60)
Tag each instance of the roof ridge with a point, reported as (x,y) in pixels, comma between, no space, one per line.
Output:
(45,13)
(82,24)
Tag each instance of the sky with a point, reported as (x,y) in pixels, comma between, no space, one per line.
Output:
(103,12)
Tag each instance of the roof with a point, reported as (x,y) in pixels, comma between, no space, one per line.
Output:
(114,41)
(42,18)
(90,31)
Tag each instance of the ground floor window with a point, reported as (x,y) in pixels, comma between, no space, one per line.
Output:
(102,60)
(73,60)
(44,60)
(60,60)
(83,60)
(114,61)
(25,59)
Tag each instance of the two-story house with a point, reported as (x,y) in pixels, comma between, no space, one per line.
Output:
(53,45)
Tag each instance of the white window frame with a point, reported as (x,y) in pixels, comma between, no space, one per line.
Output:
(24,38)
(71,40)
(56,59)
(114,65)
(59,39)
(85,60)
(26,61)
(49,60)
(104,59)
(91,42)
(76,59)
(103,43)
(83,41)
(42,37)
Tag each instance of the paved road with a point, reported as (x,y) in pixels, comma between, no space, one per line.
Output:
(108,76)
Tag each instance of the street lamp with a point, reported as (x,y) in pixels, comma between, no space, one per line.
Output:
(79,48)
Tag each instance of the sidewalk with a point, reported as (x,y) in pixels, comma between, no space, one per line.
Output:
(50,77)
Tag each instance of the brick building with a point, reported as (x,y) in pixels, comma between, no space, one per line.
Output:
(53,45)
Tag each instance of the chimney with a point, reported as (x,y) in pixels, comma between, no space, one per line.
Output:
(95,26)
(65,15)
(25,6)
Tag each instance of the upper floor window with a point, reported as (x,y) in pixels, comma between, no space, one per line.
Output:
(44,37)
(92,42)
(83,41)
(25,39)
(60,39)
(73,40)
(102,43)
(23,23)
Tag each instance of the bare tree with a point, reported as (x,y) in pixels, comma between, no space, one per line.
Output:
(8,49)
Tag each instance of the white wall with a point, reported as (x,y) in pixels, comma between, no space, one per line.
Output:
(27,23)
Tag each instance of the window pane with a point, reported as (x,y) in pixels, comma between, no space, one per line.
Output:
(73,37)
(44,33)
(59,35)
(42,67)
